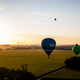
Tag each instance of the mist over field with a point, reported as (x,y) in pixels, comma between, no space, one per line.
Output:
(23,47)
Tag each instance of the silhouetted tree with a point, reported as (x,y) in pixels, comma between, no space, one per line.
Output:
(19,74)
(73,62)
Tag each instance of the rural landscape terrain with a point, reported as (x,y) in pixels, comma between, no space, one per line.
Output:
(37,60)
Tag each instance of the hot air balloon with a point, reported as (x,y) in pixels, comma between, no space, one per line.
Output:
(76,49)
(55,19)
(48,45)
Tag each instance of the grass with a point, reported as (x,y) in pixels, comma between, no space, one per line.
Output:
(37,60)
(64,73)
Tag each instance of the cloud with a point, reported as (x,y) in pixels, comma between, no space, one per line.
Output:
(45,13)
(41,23)
(36,39)
(38,23)
(25,35)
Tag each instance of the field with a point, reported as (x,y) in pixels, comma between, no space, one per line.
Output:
(38,62)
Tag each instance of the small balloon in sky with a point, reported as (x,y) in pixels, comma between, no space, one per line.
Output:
(48,45)
(55,19)
(76,49)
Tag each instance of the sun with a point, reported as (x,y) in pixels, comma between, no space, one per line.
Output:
(2,38)
(3,35)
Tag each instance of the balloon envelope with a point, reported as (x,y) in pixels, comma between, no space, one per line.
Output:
(55,19)
(76,49)
(48,44)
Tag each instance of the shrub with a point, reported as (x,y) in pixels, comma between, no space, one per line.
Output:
(73,62)
(19,74)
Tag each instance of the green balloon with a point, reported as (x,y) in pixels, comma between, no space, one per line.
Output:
(76,49)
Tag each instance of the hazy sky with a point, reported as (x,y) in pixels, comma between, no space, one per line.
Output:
(30,21)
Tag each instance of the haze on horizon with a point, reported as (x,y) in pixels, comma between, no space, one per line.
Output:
(30,21)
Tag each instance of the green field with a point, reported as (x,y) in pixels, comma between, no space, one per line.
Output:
(38,62)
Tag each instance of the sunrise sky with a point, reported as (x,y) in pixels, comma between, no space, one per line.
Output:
(30,21)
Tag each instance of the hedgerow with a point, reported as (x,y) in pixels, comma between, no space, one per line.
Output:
(19,74)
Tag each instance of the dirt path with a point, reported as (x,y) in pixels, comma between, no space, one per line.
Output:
(39,77)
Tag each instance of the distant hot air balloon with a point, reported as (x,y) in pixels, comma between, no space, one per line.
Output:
(55,19)
(17,43)
(48,45)
(76,49)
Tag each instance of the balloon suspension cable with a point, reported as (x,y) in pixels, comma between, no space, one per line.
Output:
(76,55)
